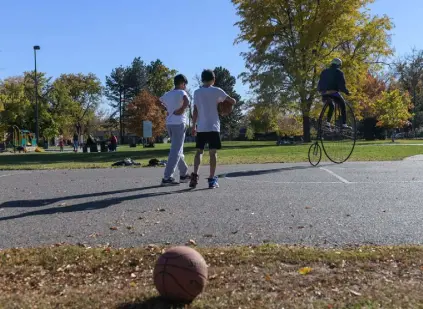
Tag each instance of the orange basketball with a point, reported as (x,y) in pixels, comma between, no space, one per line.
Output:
(180,274)
(224,108)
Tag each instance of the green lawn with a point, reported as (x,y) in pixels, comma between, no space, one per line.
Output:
(232,153)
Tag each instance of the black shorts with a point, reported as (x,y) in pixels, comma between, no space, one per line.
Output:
(211,138)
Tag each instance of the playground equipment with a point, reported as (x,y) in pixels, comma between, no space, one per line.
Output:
(23,140)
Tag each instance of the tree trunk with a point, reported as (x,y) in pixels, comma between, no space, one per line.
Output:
(306,128)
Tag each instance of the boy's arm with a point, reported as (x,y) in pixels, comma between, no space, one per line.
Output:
(184,106)
(229,100)
(224,97)
(194,120)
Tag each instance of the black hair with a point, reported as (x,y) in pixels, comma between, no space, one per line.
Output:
(179,79)
(207,76)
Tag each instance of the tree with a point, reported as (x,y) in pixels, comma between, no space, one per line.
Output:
(160,78)
(392,110)
(410,76)
(229,124)
(117,87)
(77,97)
(125,83)
(17,106)
(295,39)
(263,118)
(146,106)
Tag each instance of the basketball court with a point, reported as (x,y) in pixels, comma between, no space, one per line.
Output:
(329,205)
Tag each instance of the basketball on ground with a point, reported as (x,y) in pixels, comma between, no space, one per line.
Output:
(180,274)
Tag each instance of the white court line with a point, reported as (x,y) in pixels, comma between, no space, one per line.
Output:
(7,175)
(335,175)
(326,182)
(284,182)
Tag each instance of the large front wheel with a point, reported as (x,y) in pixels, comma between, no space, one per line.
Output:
(338,142)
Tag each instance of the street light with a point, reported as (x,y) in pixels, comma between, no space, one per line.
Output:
(36,47)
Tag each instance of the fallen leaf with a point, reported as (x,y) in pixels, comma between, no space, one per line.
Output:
(132,284)
(129,227)
(114,228)
(192,242)
(354,292)
(133,275)
(152,247)
(305,270)
(213,277)
(62,204)
(161,209)
(234,232)
(307,207)
(140,218)
(267,277)
(300,227)
(208,235)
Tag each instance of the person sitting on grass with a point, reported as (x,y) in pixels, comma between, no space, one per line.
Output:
(176,102)
(206,125)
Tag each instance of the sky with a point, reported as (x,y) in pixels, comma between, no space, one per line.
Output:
(187,35)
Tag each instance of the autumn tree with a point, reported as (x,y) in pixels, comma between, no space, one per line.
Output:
(295,39)
(146,106)
(392,109)
(125,83)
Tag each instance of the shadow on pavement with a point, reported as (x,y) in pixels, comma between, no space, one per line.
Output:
(93,205)
(265,172)
(44,202)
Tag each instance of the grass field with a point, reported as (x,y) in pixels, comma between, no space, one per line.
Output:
(232,153)
(239,277)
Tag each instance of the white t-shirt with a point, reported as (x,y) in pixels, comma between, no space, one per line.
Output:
(173,100)
(206,100)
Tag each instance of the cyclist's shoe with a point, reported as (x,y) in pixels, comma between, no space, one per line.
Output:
(194,180)
(345,126)
(185,179)
(327,127)
(169,182)
(213,182)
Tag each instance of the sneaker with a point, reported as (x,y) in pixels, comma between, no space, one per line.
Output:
(169,182)
(194,180)
(345,126)
(185,179)
(213,182)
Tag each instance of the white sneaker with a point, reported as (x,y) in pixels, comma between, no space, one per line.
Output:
(345,126)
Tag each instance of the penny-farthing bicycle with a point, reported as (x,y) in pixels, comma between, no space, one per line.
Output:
(337,141)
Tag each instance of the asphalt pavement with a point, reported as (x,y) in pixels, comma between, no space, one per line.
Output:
(331,205)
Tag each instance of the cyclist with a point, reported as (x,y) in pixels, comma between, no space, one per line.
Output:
(331,83)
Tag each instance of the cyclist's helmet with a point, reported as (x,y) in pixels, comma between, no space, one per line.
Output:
(337,62)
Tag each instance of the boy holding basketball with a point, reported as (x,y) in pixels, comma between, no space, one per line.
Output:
(176,102)
(206,125)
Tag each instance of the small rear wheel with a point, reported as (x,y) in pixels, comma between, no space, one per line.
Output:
(314,154)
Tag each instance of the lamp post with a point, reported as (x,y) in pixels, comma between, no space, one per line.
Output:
(36,47)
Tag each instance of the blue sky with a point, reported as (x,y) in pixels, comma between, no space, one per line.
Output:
(96,36)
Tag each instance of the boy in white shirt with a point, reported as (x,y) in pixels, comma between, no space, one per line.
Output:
(176,102)
(206,117)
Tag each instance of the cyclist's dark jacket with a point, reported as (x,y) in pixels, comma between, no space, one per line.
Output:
(332,79)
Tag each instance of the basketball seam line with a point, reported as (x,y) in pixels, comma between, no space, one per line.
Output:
(183,268)
(174,279)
